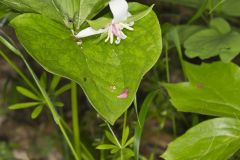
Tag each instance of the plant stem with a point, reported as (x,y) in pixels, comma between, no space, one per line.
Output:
(122,155)
(124,126)
(167,62)
(68,141)
(75,120)
(136,110)
(179,50)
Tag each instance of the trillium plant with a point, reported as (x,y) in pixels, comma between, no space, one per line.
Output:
(93,69)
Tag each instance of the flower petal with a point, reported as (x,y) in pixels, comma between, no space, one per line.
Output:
(89,32)
(119,10)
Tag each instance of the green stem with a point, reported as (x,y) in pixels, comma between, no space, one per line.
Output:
(167,62)
(179,50)
(180,55)
(75,120)
(136,109)
(68,141)
(65,125)
(122,155)
(124,125)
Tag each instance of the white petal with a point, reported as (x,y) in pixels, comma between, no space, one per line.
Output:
(119,10)
(89,32)
(111,38)
(127,26)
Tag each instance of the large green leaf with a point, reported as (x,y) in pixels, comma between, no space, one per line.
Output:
(103,70)
(215,139)
(218,40)
(230,7)
(44,7)
(213,89)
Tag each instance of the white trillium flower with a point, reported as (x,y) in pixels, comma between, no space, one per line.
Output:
(119,9)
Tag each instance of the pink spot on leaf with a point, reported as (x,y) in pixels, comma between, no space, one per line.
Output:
(124,94)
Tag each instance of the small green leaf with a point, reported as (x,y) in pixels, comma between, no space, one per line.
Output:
(55,81)
(89,8)
(216,139)
(115,150)
(63,89)
(139,15)
(44,80)
(106,146)
(183,32)
(220,25)
(205,93)
(125,135)
(99,23)
(126,153)
(130,141)
(58,104)
(36,112)
(27,93)
(212,44)
(23,105)
(68,8)
(111,138)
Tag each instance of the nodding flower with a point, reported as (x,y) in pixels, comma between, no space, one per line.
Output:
(119,9)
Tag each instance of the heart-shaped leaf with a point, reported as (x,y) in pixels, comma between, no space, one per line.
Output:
(213,89)
(216,139)
(109,74)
